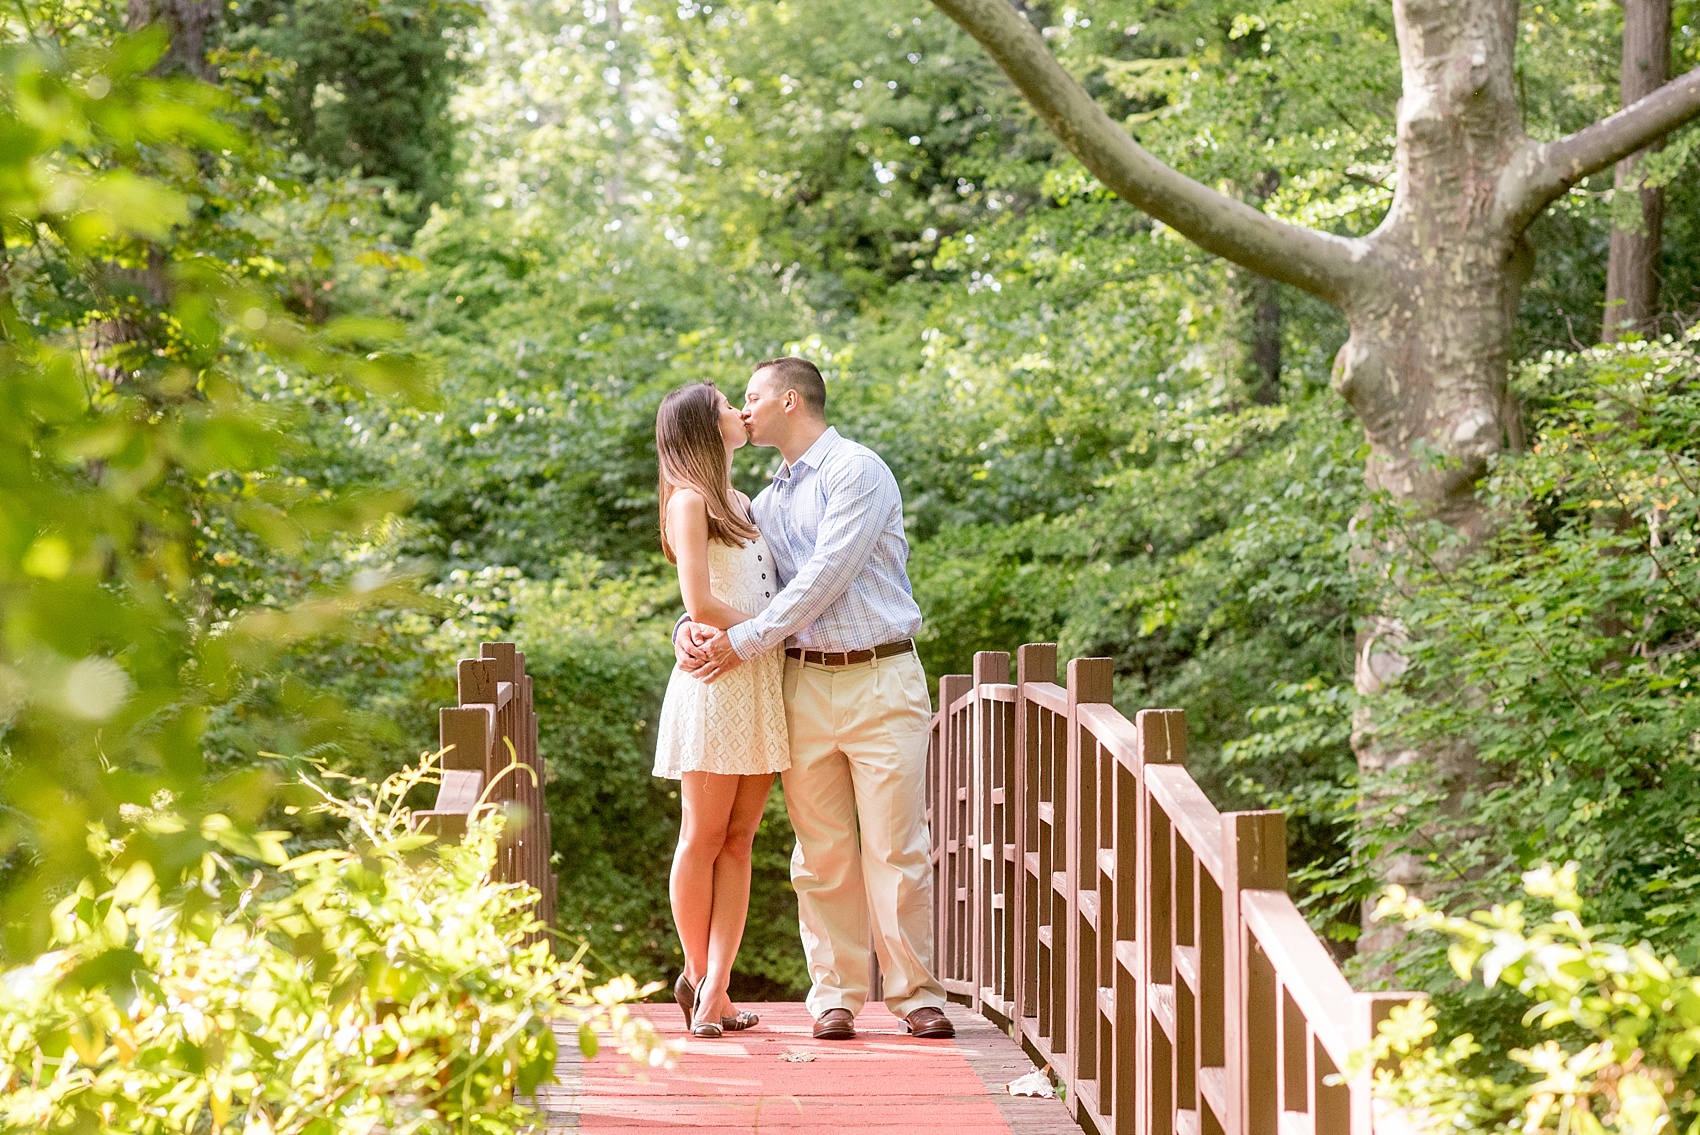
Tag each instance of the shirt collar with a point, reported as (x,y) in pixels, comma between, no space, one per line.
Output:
(812,457)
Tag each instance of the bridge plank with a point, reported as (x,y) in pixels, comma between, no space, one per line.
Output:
(882,1083)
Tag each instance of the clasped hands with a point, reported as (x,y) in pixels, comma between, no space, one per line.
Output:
(703,651)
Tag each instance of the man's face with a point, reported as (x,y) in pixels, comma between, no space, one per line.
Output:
(764,409)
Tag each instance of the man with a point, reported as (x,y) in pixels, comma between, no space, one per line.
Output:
(856,704)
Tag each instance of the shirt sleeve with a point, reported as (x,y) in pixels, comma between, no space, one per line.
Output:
(860,495)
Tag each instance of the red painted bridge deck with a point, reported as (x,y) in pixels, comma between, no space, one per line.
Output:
(884,1082)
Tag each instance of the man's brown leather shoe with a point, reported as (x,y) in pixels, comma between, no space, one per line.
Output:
(929,1023)
(835,1024)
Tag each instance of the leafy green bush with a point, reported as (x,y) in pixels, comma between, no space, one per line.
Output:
(390,984)
(1564,650)
(1608,1038)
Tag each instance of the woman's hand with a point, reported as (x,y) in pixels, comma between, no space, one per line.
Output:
(711,658)
(688,640)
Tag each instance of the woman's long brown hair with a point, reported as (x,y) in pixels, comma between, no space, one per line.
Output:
(693,456)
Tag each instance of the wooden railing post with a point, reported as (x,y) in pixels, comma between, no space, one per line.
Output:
(1358,1116)
(496,710)
(1254,857)
(501,658)
(1126,1096)
(991,667)
(935,833)
(477,689)
(519,717)
(952,808)
(1090,680)
(1034,662)
(1162,741)
(465,734)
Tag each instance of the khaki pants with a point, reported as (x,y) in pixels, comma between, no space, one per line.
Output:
(859,767)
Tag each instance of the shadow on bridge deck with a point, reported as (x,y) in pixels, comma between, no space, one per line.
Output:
(882,1083)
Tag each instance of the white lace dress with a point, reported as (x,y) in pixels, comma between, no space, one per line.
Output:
(736,724)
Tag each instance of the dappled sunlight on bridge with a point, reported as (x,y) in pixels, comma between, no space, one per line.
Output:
(778,1078)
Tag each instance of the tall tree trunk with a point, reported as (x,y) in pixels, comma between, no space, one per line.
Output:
(188,23)
(1266,318)
(1265,341)
(1426,365)
(1632,275)
(614,188)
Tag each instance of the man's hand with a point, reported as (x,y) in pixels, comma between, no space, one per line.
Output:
(709,658)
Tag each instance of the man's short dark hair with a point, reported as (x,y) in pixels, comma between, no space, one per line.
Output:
(793,373)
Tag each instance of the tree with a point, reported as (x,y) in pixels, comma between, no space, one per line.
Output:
(1430,295)
(356,86)
(187,23)
(1632,276)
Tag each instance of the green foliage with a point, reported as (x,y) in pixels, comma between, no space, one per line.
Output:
(356,86)
(386,985)
(838,154)
(134,305)
(1607,1043)
(1562,648)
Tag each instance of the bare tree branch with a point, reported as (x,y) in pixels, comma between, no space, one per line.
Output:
(1321,264)
(1542,171)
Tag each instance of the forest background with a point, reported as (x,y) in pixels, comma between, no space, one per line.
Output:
(1105,437)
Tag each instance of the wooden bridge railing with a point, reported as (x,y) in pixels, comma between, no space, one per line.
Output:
(492,728)
(1092,901)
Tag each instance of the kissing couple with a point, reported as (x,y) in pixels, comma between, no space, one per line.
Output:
(795,657)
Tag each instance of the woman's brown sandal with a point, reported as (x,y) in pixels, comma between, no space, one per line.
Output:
(686,995)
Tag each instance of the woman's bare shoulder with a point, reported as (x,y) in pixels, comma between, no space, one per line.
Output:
(685,501)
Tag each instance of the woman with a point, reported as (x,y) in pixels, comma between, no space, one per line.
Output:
(722,741)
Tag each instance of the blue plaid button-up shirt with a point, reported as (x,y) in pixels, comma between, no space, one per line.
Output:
(834,525)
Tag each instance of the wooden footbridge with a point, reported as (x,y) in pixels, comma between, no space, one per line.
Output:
(1097,917)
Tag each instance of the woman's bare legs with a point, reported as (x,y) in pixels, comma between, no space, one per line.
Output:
(707,802)
(732,891)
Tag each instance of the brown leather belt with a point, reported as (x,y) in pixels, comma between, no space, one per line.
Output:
(850,657)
